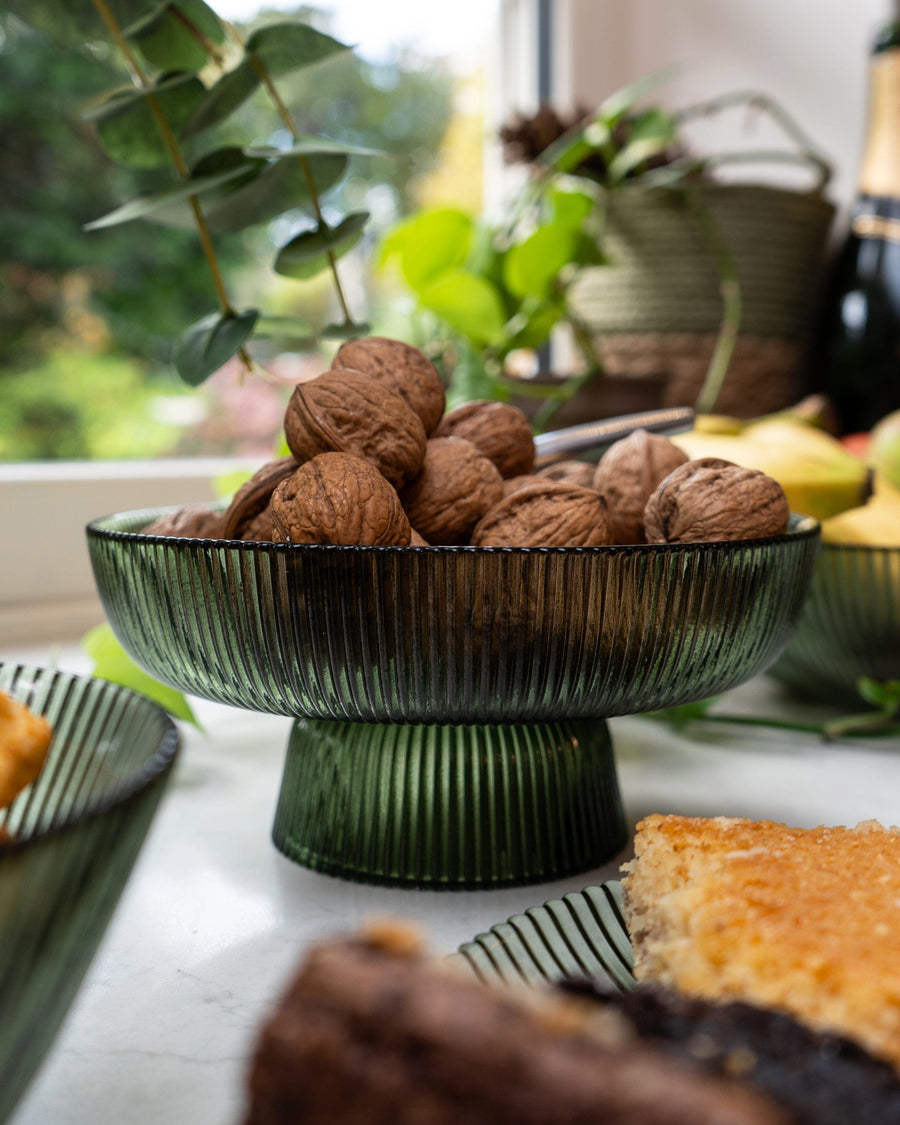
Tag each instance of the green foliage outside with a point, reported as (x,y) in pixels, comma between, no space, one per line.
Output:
(123,292)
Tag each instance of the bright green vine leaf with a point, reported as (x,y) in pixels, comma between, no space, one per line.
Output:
(306,255)
(128,129)
(211,342)
(112,663)
(530,268)
(283,47)
(429,244)
(469,304)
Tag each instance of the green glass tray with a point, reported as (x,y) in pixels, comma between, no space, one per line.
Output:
(580,935)
(77,832)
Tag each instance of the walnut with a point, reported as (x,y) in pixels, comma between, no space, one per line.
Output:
(417,540)
(193,521)
(403,367)
(338,499)
(547,514)
(628,472)
(710,500)
(500,431)
(572,472)
(513,484)
(246,516)
(347,412)
(455,488)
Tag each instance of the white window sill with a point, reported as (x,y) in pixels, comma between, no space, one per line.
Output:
(47,591)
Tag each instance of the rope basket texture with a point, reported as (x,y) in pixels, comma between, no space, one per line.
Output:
(657,306)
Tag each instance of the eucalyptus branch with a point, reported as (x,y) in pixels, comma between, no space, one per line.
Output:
(266,78)
(140,80)
(205,42)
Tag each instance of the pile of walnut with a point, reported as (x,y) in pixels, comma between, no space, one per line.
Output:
(375,461)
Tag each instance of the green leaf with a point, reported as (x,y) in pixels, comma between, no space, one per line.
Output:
(211,342)
(314,146)
(68,21)
(429,244)
(880,693)
(145,205)
(307,255)
(350,330)
(653,132)
(279,186)
(112,663)
(532,325)
(468,304)
(679,717)
(570,208)
(222,99)
(282,47)
(284,328)
(128,128)
(166,40)
(623,100)
(531,267)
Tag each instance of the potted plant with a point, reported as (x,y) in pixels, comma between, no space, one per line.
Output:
(687,288)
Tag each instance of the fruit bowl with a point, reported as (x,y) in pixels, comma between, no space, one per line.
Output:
(449,701)
(849,627)
(76,833)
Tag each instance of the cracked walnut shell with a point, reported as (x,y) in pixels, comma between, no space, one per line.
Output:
(499,430)
(546,514)
(346,411)
(402,367)
(341,500)
(711,500)
(627,475)
(456,486)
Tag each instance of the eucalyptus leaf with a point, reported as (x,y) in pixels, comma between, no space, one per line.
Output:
(350,330)
(112,663)
(128,129)
(211,342)
(315,146)
(279,186)
(222,99)
(308,254)
(429,244)
(283,47)
(68,20)
(531,267)
(173,39)
(469,304)
(145,205)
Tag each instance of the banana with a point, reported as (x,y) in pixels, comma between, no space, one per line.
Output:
(875,524)
(819,477)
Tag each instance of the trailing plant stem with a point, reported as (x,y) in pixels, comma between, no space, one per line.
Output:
(285,116)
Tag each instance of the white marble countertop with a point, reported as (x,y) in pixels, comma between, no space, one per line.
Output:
(214,918)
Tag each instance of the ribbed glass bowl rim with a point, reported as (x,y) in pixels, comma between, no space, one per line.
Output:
(861,548)
(800,527)
(162,760)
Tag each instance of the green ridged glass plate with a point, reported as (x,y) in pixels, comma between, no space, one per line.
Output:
(76,834)
(580,935)
(849,627)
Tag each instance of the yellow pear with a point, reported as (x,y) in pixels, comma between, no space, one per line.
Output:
(819,477)
(875,524)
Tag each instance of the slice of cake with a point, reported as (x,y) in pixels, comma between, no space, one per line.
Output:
(373,1031)
(806,921)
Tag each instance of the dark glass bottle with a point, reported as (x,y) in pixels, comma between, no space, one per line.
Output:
(859,356)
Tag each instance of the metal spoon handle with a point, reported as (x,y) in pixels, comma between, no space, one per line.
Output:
(587,435)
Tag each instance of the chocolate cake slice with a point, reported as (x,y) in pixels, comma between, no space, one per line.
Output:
(821,1079)
(372,1031)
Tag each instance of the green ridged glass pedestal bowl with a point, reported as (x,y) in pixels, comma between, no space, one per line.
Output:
(449,701)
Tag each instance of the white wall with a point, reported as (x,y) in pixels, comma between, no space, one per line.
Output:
(809,54)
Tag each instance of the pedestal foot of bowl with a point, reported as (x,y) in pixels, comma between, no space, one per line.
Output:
(450,806)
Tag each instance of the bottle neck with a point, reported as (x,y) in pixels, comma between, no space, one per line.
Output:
(880,169)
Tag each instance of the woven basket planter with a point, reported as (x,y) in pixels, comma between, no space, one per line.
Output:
(656,308)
